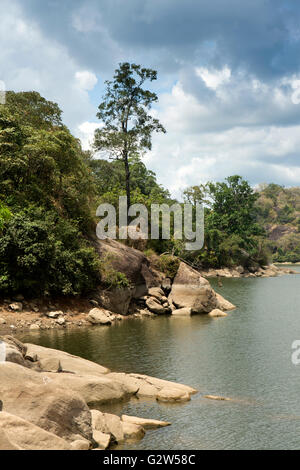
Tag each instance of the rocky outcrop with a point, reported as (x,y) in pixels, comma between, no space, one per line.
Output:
(32,396)
(133,263)
(191,290)
(252,271)
(19,434)
(49,410)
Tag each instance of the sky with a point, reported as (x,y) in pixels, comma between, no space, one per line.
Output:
(228,77)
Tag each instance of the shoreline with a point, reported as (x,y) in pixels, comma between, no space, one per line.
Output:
(20,315)
(51,400)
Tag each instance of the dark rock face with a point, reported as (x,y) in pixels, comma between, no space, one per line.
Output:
(136,266)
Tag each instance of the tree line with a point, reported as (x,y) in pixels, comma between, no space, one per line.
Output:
(50,188)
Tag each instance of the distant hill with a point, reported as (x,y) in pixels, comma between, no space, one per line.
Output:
(279,212)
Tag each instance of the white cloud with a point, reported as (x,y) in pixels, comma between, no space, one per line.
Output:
(211,139)
(86,80)
(31,61)
(213,78)
(85,132)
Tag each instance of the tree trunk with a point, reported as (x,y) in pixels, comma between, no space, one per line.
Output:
(127,175)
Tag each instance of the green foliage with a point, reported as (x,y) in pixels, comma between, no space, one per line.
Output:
(42,249)
(5,215)
(124,111)
(278,210)
(41,253)
(169,265)
(232,234)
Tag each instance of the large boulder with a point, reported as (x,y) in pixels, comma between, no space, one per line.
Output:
(100,316)
(19,434)
(116,300)
(191,290)
(34,397)
(135,265)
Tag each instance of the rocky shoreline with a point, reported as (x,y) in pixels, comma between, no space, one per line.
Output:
(238,272)
(188,294)
(51,400)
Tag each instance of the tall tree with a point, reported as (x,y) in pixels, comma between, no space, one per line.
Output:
(124,111)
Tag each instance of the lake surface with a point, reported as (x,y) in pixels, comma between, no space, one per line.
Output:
(246,356)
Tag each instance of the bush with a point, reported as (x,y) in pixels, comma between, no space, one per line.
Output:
(169,265)
(5,215)
(43,254)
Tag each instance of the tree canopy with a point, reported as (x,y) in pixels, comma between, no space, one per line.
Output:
(124,111)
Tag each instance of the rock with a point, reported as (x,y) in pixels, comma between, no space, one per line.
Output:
(217,313)
(30,356)
(60,321)
(116,300)
(103,440)
(145,423)
(147,386)
(2,321)
(171,395)
(136,266)
(50,364)
(156,307)
(156,292)
(187,312)
(16,307)
(99,316)
(33,397)
(69,363)
(166,285)
(24,435)
(80,444)
(14,355)
(240,269)
(191,290)
(5,443)
(108,424)
(93,389)
(34,326)
(54,314)
(216,397)
(132,431)
(224,304)
(14,350)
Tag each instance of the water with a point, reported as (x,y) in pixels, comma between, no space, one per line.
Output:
(246,356)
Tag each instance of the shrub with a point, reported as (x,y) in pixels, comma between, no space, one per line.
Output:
(169,265)
(41,254)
